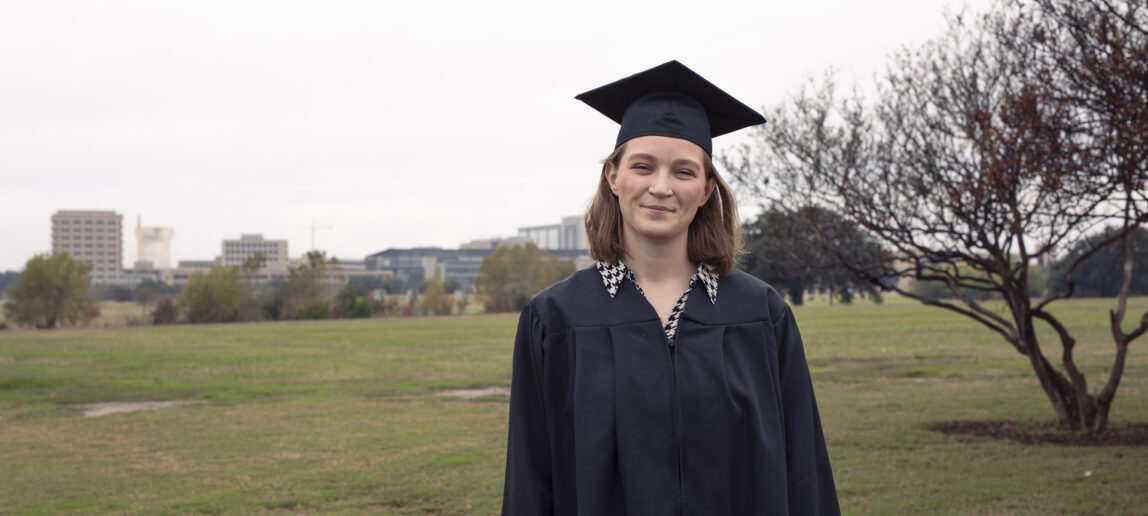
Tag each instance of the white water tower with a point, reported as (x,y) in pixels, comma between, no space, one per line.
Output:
(154,245)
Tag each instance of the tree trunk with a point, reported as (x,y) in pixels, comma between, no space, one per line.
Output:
(1064,401)
(797,295)
(1076,409)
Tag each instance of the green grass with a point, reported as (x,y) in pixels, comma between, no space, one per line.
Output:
(340,417)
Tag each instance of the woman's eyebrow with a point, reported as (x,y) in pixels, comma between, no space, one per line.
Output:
(686,162)
(640,157)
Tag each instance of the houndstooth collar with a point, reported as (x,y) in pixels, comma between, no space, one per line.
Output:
(614,274)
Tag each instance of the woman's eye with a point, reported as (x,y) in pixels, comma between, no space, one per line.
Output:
(686,173)
(642,167)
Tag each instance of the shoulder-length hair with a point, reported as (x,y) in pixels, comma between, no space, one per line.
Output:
(714,236)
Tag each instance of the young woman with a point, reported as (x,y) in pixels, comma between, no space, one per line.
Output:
(663,381)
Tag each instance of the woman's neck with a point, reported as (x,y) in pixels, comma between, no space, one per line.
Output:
(659,262)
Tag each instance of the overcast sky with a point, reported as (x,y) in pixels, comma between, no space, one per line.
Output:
(389,124)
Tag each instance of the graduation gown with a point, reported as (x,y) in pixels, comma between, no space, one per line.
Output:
(608,417)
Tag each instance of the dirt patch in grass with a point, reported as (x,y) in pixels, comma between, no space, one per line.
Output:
(117,407)
(470,394)
(1130,434)
(289,508)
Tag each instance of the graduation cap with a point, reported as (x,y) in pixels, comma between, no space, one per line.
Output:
(670,100)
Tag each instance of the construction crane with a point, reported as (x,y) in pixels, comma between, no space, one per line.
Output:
(314,225)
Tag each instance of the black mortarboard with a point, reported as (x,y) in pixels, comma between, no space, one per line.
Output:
(670,100)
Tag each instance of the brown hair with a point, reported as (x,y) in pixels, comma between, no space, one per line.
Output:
(714,235)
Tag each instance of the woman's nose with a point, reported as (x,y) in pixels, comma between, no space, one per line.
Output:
(661,185)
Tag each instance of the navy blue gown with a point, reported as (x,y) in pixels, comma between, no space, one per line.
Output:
(608,416)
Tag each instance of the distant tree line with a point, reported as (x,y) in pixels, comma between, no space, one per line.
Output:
(54,290)
(781,250)
(1094,274)
(145,292)
(229,294)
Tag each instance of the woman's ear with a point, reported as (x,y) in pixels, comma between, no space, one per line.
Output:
(612,177)
(711,184)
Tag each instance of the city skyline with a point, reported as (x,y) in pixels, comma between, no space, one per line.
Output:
(130,245)
(564,235)
(400,126)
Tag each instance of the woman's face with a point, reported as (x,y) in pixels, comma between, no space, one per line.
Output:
(660,183)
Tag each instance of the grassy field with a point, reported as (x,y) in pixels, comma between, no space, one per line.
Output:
(341,417)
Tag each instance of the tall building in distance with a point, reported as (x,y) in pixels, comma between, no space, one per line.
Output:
(236,251)
(153,245)
(574,233)
(569,234)
(94,237)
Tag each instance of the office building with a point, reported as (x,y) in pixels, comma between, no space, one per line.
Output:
(569,234)
(414,266)
(94,237)
(235,252)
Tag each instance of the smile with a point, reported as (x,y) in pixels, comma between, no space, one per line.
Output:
(657,208)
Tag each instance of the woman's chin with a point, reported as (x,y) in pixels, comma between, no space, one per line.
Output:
(659,234)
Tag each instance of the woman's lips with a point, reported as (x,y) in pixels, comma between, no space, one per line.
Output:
(658,208)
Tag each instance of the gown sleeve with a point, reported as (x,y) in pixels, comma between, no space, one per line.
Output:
(528,488)
(810,481)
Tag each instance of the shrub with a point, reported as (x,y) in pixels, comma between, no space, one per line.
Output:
(164,312)
(315,310)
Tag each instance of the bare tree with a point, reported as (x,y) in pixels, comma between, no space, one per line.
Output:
(978,157)
(1092,55)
